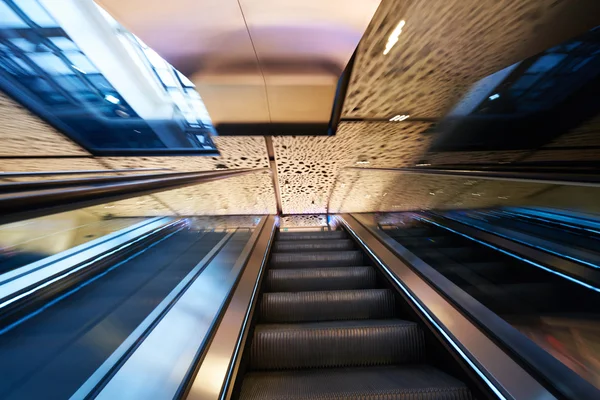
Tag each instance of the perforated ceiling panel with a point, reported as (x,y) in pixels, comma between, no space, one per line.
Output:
(24,134)
(308,166)
(448,45)
(370,190)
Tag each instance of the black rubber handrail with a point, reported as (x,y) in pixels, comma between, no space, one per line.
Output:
(553,178)
(32,204)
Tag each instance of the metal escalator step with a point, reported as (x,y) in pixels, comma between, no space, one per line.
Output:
(312,245)
(317,259)
(310,279)
(411,382)
(327,305)
(336,344)
(323,235)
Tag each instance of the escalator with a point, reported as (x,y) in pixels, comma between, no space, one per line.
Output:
(559,313)
(50,352)
(329,326)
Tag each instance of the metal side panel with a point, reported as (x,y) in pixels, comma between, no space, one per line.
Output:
(213,379)
(165,358)
(503,375)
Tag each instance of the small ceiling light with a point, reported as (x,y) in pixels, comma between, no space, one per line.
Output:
(422,165)
(398,118)
(494,96)
(393,39)
(362,162)
(112,99)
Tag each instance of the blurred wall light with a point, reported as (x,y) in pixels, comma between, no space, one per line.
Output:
(393,39)
(398,118)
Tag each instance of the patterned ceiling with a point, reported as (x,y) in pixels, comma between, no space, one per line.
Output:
(445,47)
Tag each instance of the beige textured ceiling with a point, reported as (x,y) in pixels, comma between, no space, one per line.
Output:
(446,46)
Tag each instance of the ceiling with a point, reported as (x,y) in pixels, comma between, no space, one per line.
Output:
(254,61)
(446,46)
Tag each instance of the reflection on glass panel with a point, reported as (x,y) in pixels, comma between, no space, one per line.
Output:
(546,63)
(70,90)
(28,241)
(51,63)
(64,43)
(36,13)
(166,77)
(80,62)
(9,18)
(185,81)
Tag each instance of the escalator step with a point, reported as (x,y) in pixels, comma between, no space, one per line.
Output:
(415,382)
(336,344)
(310,279)
(312,245)
(327,305)
(317,259)
(324,235)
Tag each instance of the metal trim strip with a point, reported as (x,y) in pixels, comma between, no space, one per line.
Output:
(214,377)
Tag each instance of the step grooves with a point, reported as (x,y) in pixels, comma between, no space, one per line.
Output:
(336,344)
(310,279)
(327,305)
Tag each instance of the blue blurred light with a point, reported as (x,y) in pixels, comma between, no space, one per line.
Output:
(111,99)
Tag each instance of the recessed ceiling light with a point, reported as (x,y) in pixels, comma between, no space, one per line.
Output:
(398,118)
(362,162)
(393,39)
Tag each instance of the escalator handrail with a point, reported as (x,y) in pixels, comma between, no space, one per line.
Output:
(530,361)
(103,373)
(214,378)
(533,252)
(32,204)
(200,311)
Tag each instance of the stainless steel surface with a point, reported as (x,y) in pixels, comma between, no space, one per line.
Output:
(254,61)
(222,356)
(119,355)
(25,281)
(164,359)
(505,377)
